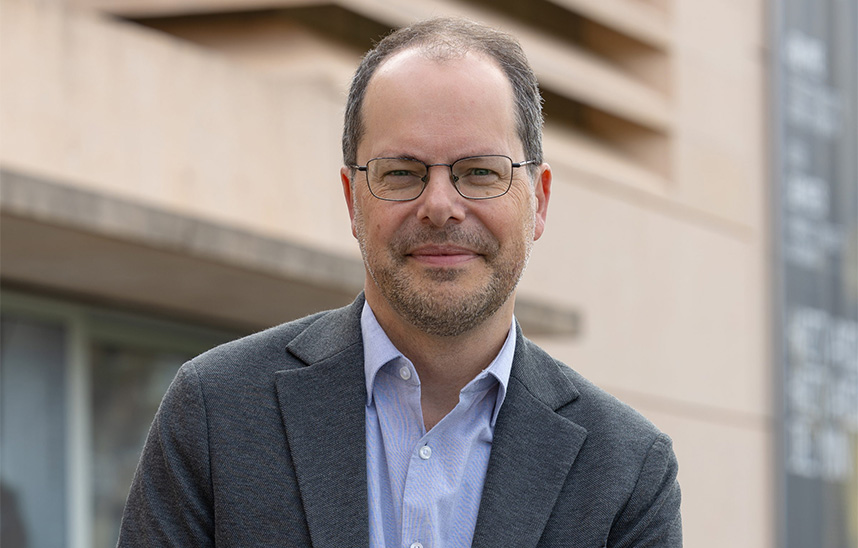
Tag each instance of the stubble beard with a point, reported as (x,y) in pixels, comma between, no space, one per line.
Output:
(431,300)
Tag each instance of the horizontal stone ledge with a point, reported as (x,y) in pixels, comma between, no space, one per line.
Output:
(37,199)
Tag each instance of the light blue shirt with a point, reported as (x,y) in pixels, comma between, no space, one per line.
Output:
(424,488)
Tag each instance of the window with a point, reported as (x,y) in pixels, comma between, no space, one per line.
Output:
(32,433)
(78,390)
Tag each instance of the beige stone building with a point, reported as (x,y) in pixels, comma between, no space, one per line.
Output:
(169,177)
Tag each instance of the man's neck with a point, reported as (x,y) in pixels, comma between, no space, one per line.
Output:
(445,364)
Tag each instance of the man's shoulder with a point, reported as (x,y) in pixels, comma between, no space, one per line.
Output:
(600,411)
(268,350)
(619,438)
(605,417)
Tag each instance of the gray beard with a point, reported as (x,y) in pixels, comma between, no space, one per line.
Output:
(432,311)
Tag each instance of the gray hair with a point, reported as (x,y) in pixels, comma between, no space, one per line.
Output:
(445,38)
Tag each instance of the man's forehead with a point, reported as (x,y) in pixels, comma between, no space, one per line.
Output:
(416,72)
(465,98)
(417,58)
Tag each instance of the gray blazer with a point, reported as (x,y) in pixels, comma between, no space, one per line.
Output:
(261,442)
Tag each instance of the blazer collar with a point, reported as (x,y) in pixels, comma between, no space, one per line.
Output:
(532,451)
(323,410)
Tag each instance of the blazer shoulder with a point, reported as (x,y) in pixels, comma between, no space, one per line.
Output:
(578,399)
(612,425)
(260,354)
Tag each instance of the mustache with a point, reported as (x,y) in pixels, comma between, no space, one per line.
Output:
(478,241)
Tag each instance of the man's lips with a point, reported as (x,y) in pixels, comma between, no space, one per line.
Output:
(443,255)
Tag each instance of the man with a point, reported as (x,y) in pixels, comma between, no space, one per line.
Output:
(418,416)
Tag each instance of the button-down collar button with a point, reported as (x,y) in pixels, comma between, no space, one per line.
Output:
(416,545)
(405,373)
(425,452)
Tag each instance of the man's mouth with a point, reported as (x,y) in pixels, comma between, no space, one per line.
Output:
(439,255)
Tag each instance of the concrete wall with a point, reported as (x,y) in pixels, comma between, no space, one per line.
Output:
(657,232)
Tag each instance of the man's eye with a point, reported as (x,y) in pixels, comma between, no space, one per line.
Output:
(480,173)
(400,173)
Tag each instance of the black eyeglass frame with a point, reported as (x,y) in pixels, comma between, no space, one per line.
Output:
(453,178)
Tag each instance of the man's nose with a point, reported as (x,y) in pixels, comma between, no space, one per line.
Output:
(440,201)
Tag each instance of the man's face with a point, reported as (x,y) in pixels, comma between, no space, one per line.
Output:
(443,263)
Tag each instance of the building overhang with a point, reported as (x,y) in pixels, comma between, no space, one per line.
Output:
(58,238)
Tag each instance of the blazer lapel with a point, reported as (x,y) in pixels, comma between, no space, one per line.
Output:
(532,452)
(323,409)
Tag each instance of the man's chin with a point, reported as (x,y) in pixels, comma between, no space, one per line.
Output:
(444,279)
(445,308)
(470,273)
(448,284)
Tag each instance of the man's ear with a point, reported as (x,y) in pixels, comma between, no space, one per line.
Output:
(543,194)
(346,179)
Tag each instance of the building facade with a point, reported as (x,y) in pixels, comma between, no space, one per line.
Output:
(169,180)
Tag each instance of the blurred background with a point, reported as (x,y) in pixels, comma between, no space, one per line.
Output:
(169,181)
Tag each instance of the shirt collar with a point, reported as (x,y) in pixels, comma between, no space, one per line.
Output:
(379,351)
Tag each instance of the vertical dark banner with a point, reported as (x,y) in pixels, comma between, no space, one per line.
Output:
(816,237)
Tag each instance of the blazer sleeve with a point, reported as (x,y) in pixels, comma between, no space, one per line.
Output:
(651,517)
(170,503)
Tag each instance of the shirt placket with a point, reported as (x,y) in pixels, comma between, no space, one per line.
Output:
(426,471)
(417,520)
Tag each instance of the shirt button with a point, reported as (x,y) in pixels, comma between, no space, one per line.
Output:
(405,373)
(416,545)
(425,452)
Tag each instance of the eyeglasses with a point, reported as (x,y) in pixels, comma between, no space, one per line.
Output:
(475,177)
